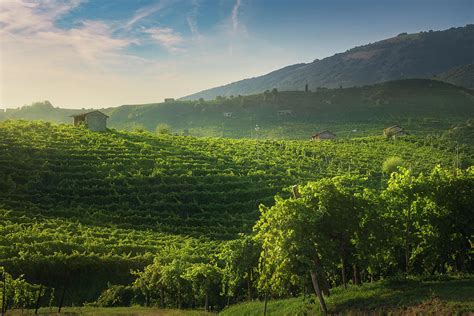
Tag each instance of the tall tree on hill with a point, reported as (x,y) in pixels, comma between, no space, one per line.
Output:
(309,233)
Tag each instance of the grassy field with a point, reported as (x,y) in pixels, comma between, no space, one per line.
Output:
(394,297)
(407,297)
(124,311)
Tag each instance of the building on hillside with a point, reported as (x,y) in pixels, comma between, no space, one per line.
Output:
(227,114)
(95,120)
(324,135)
(285,112)
(169,100)
(394,131)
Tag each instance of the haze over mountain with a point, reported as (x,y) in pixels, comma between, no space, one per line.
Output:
(420,105)
(418,55)
(460,76)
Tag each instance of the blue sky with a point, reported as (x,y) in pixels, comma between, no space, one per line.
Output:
(100,53)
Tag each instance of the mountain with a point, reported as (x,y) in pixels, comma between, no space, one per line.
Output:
(460,76)
(419,55)
(420,105)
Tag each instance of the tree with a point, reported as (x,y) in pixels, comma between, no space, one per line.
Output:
(203,277)
(311,232)
(240,258)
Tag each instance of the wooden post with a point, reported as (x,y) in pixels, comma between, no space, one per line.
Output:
(38,299)
(265,304)
(63,292)
(4,307)
(296,191)
(317,290)
(343,272)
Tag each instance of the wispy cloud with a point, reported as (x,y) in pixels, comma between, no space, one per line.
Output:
(192,20)
(146,11)
(235,15)
(166,37)
(26,24)
(85,63)
(29,17)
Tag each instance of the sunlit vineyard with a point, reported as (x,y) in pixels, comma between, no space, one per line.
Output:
(89,207)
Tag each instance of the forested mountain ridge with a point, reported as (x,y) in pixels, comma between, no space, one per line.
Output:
(418,55)
(420,105)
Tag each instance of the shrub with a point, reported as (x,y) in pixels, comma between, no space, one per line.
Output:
(391,164)
(116,295)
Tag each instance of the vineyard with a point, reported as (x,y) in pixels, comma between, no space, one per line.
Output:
(81,210)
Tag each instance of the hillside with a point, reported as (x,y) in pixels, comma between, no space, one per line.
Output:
(418,55)
(422,106)
(460,76)
(82,209)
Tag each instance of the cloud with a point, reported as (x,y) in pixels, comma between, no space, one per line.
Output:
(166,37)
(30,25)
(29,17)
(144,12)
(192,20)
(235,15)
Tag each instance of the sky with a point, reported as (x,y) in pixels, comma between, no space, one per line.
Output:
(102,53)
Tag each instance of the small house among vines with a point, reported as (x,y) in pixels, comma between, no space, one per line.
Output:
(394,131)
(324,135)
(95,120)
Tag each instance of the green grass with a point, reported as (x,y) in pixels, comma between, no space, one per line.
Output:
(124,311)
(454,296)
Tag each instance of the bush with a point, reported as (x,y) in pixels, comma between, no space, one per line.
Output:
(116,295)
(163,129)
(391,164)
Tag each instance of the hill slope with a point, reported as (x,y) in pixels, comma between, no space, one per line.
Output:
(460,76)
(420,105)
(419,55)
(89,207)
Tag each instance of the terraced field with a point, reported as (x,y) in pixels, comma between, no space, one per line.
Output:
(89,207)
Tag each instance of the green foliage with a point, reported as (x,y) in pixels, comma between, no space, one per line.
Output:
(418,225)
(392,164)
(116,295)
(298,233)
(240,259)
(91,207)
(18,293)
(163,129)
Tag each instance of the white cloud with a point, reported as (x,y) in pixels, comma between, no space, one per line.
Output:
(88,64)
(166,37)
(235,15)
(192,20)
(146,11)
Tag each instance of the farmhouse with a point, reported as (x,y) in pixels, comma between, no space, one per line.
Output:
(394,131)
(324,135)
(95,120)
